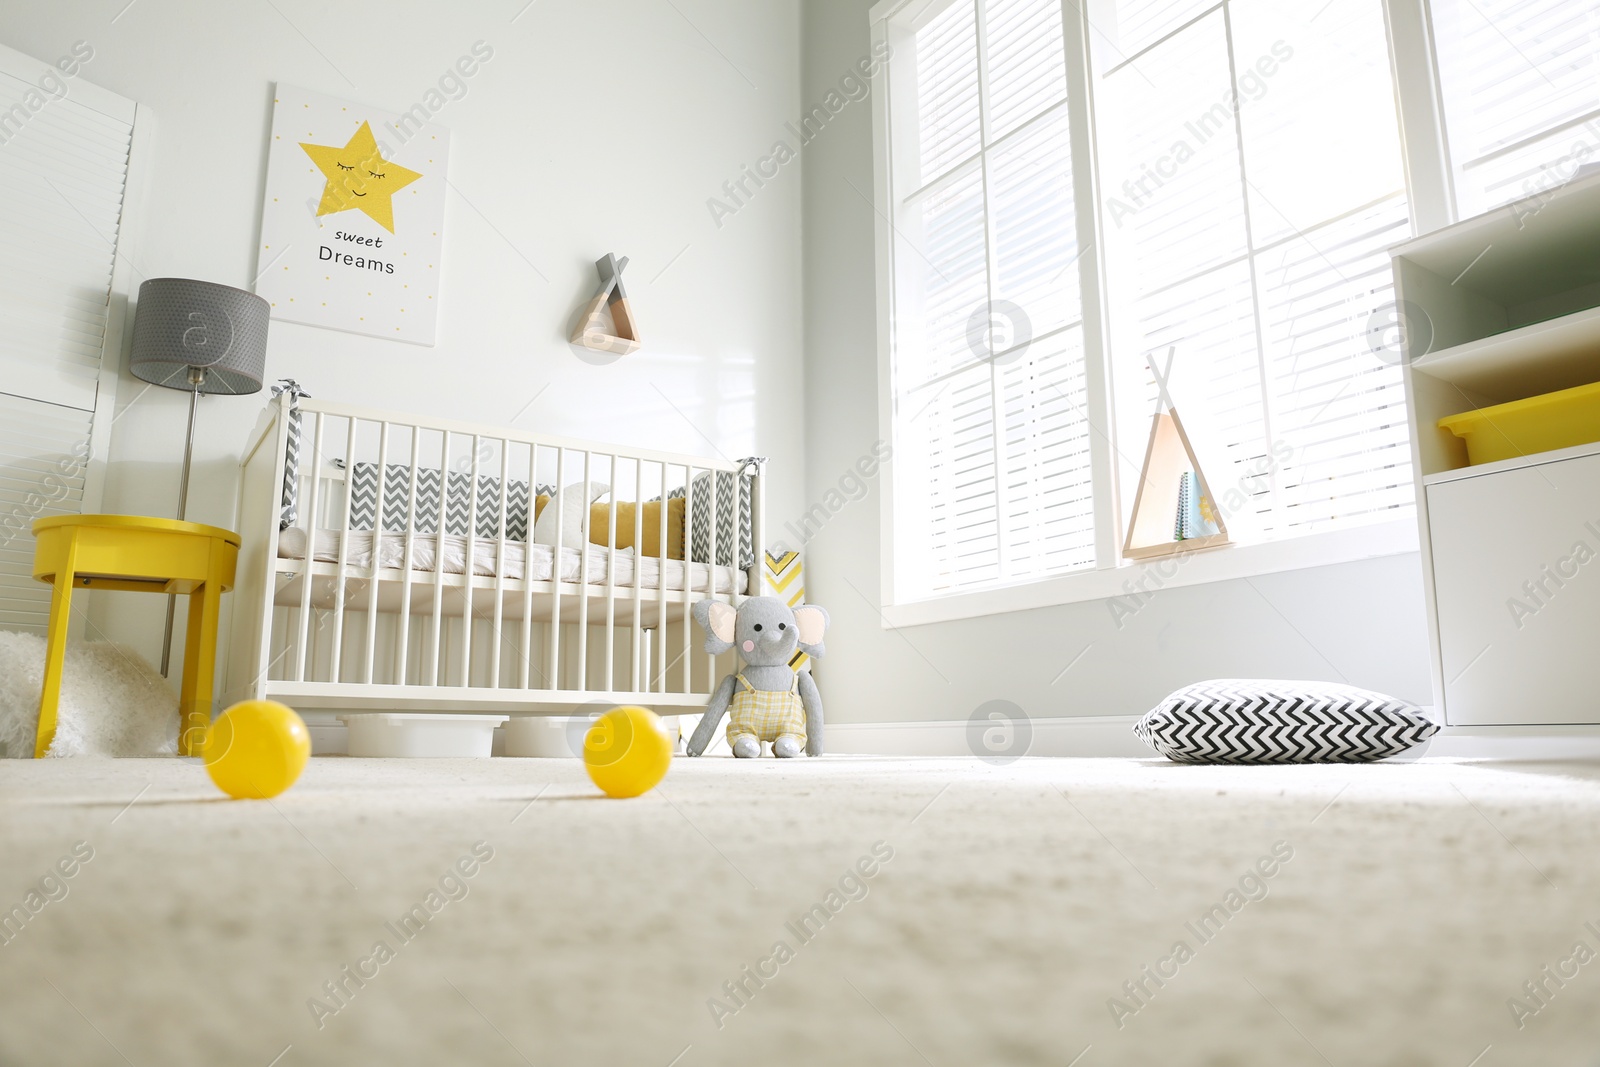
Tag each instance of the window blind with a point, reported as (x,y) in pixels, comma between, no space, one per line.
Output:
(1521,85)
(1251,162)
(1247,155)
(992,441)
(63,169)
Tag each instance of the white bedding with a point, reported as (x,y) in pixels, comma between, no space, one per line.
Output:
(424,547)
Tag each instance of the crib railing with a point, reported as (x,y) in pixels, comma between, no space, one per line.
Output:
(336,612)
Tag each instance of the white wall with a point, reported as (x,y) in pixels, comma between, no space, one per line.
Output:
(597,126)
(1359,622)
(604,126)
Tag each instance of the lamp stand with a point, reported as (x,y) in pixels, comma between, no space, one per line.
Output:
(197,377)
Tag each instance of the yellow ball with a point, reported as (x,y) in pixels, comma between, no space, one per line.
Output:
(627,751)
(255,749)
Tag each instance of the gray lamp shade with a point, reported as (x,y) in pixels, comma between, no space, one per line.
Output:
(181,323)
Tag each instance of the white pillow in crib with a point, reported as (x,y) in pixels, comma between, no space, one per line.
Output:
(574,514)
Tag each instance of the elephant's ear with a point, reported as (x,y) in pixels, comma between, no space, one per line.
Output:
(811,621)
(719,621)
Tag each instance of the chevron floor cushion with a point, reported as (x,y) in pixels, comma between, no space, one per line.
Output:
(1240,720)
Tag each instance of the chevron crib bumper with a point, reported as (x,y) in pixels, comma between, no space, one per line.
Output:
(1238,720)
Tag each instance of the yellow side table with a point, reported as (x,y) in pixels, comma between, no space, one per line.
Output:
(133,553)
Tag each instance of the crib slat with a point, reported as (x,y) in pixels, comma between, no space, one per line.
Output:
(611,573)
(403,640)
(302,652)
(638,566)
(711,569)
(467,588)
(649,646)
(523,675)
(437,630)
(659,683)
(688,573)
(756,574)
(377,549)
(555,572)
(500,564)
(344,551)
(583,577)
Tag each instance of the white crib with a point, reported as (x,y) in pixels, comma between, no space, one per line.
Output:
(375,598)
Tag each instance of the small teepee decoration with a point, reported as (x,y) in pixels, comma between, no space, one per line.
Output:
(591,329)
(1173,511)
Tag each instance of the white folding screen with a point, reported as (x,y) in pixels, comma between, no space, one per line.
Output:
(63,175)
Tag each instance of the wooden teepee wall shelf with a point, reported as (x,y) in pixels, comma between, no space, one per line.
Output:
(1168,455)
(590,331)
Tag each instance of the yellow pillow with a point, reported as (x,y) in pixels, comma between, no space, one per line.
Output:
(600,520)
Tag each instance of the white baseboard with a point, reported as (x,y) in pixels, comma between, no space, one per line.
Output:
(1526,743)
(1104,736)
(1085,735)
(1112,736)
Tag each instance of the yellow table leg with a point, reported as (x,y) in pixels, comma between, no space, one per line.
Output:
(199,662)
(192,721)
(55,652)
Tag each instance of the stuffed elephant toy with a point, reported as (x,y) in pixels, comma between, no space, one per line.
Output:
(770,700)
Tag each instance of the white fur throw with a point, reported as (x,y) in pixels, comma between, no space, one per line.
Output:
(112,703)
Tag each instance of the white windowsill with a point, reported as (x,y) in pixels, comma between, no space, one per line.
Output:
(1148,576)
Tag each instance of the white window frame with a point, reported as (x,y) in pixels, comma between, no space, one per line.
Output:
(1431,195)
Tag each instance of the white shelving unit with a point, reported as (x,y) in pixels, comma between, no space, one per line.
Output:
(1498,308)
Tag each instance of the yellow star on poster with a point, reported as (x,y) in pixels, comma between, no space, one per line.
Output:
(359,177)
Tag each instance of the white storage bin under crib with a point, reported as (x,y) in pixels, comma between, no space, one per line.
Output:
(384,736)
(558,736)
(547,736)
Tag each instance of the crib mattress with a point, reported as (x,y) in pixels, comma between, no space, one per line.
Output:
(521,560)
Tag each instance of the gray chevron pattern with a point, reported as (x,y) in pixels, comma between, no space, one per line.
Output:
(457,505)
(291,458)
(700,521)
(1240,720)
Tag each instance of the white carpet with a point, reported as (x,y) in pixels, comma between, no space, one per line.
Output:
(1418,900)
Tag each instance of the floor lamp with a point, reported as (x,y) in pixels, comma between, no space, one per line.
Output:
(202,338)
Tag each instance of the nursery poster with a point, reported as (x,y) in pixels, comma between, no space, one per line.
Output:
(351,223)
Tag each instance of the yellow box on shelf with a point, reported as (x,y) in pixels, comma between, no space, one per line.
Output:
(1522,427)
